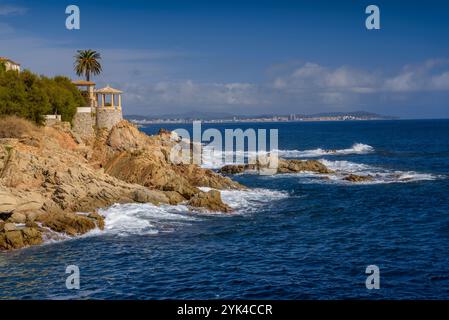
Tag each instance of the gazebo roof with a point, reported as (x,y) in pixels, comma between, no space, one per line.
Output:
(83,83)
(108,90)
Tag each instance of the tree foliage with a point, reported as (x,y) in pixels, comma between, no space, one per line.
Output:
(30,96)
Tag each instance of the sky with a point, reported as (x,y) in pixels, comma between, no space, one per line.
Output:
(245,57)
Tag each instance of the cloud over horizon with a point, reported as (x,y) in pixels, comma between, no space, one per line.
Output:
(203,63)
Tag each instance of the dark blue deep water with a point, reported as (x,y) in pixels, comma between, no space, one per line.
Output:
(296,236)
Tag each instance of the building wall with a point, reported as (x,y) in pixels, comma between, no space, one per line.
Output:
(12,66)
(107,118)
(83,124)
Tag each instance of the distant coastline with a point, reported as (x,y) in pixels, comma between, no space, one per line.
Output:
(224,118)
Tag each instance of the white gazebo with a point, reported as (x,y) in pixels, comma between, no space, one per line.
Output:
(109,98)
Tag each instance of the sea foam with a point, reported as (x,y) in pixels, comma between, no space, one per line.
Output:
(217,159)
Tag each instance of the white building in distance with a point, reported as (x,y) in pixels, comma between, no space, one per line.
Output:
(9,64)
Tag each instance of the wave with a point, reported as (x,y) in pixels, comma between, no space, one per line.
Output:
(216,159)
(357,148)
(249,201)
(378,175)
(149,219)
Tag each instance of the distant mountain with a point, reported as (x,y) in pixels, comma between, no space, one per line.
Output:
(203,115)
(187,115)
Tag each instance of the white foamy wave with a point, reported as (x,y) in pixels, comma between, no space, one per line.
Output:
(342,169)
(215,159)
(144,219)
(376,174)
(148,219)
(248,201)
(346,166)
(357,148)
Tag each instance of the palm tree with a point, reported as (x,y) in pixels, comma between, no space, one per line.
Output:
(86,63)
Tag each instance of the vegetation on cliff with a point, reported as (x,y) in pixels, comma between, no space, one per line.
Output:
(30,96)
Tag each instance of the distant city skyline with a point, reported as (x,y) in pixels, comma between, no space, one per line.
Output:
(246,57)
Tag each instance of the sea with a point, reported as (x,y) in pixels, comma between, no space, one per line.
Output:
(291,236)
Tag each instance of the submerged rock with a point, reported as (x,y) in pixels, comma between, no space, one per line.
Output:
(358,178)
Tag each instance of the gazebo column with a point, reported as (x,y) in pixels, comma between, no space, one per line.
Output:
(120,101)
(112,100)
(102,100)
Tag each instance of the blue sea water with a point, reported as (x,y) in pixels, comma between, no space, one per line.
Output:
(294,236)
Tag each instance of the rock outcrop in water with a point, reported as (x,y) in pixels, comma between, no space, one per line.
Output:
(45,180)
(358,178)
(284,166)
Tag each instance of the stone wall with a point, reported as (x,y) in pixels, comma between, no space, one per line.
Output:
(83,124)
(107,118)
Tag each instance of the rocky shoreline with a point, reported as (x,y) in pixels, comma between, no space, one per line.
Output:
(53,181)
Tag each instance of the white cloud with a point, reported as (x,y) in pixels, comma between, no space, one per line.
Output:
(402,83)
(441,82)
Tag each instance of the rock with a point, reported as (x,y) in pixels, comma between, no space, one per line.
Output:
(30,224)
(184,189)
(357,178)
(20,201)
(69,223)
(99,219)
(174,197)
(150,196)
(284,166)
(67,174)
(126,136)
(31,216)
(209,200)
(233,169)
(17,217)
(9,227)
(292,166)
(16,239)
(13,240)
(31,236)
(163,131)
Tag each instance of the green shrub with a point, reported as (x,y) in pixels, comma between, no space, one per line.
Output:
(30,96)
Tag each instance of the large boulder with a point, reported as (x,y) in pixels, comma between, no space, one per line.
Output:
(209,200)
(68,223)
(19,238)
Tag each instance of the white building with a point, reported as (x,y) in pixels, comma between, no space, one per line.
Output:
(9,64)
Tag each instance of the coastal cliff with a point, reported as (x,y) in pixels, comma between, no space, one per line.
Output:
(52,181)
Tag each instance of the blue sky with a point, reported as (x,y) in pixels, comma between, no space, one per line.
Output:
(246,57)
